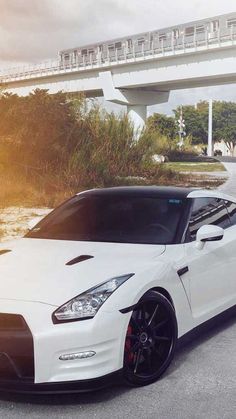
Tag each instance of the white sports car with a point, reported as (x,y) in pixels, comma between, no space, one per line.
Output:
(104,285)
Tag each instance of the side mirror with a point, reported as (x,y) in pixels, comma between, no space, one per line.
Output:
(208,233)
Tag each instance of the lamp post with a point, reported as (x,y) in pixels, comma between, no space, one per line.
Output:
(210,145)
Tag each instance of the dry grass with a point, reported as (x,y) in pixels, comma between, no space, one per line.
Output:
(19,191)
(200,181)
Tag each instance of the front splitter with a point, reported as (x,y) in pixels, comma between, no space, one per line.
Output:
(65,387)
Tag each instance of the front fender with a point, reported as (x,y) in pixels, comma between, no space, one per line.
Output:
(159,274)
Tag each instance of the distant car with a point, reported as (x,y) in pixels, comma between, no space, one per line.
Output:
(103,286)
(218,152)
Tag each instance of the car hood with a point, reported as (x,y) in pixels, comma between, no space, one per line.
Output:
(36,270)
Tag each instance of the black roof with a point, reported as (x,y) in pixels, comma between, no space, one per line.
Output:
(158,191)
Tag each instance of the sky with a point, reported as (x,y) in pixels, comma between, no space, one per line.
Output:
(35,30)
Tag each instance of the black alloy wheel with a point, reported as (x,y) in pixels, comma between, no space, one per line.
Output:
(150,340)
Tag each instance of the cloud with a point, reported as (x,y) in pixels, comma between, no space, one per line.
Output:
(33,30)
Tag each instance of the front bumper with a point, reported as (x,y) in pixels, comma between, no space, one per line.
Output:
(47,342)
(80,386)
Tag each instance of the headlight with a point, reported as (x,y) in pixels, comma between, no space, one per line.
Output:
(86,305)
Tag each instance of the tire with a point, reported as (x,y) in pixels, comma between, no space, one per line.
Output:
(147,354)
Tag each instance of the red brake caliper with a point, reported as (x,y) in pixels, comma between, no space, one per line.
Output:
(128,346)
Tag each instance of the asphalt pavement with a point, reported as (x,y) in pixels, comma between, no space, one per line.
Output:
(200,383)
(230,185)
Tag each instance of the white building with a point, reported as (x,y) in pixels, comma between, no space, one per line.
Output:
(224,149)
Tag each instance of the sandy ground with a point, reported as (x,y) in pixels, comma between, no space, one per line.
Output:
(14,221)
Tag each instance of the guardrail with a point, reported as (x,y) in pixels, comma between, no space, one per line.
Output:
(185,44)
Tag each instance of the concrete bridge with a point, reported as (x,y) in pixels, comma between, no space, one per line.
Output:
(137,80)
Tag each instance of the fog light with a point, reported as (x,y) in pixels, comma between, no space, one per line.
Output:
(79,355)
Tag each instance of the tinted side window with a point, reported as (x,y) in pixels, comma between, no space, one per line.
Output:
(231,207)
(207,211)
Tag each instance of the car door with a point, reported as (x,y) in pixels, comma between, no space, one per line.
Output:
(230,235)
(210,269)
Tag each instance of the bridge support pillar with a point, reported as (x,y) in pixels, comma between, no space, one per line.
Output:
(136,100)
(138,116)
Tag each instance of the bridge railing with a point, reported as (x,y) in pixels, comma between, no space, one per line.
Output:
(165,47)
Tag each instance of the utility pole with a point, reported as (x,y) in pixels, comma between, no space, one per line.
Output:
(210,145)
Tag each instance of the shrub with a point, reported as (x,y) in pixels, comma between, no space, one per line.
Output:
(60,144)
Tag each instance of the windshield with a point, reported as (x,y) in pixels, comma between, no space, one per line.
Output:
(112,218)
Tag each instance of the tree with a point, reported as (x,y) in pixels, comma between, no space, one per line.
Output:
(62,137)
(41,127)
(164,125)
(195,126)
(224,122)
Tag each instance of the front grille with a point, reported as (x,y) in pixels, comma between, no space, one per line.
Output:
(16,349)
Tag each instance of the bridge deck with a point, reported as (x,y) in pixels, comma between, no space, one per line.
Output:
(187,46)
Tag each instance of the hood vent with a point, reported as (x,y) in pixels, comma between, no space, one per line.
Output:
(4,251)
(79,259)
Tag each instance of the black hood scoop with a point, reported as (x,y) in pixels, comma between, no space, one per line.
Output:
(2,252)
(79,259)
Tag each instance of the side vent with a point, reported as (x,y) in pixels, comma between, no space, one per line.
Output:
(182,271)
(79,259)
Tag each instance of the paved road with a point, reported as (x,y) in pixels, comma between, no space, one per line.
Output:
(200,384)
(230,185)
